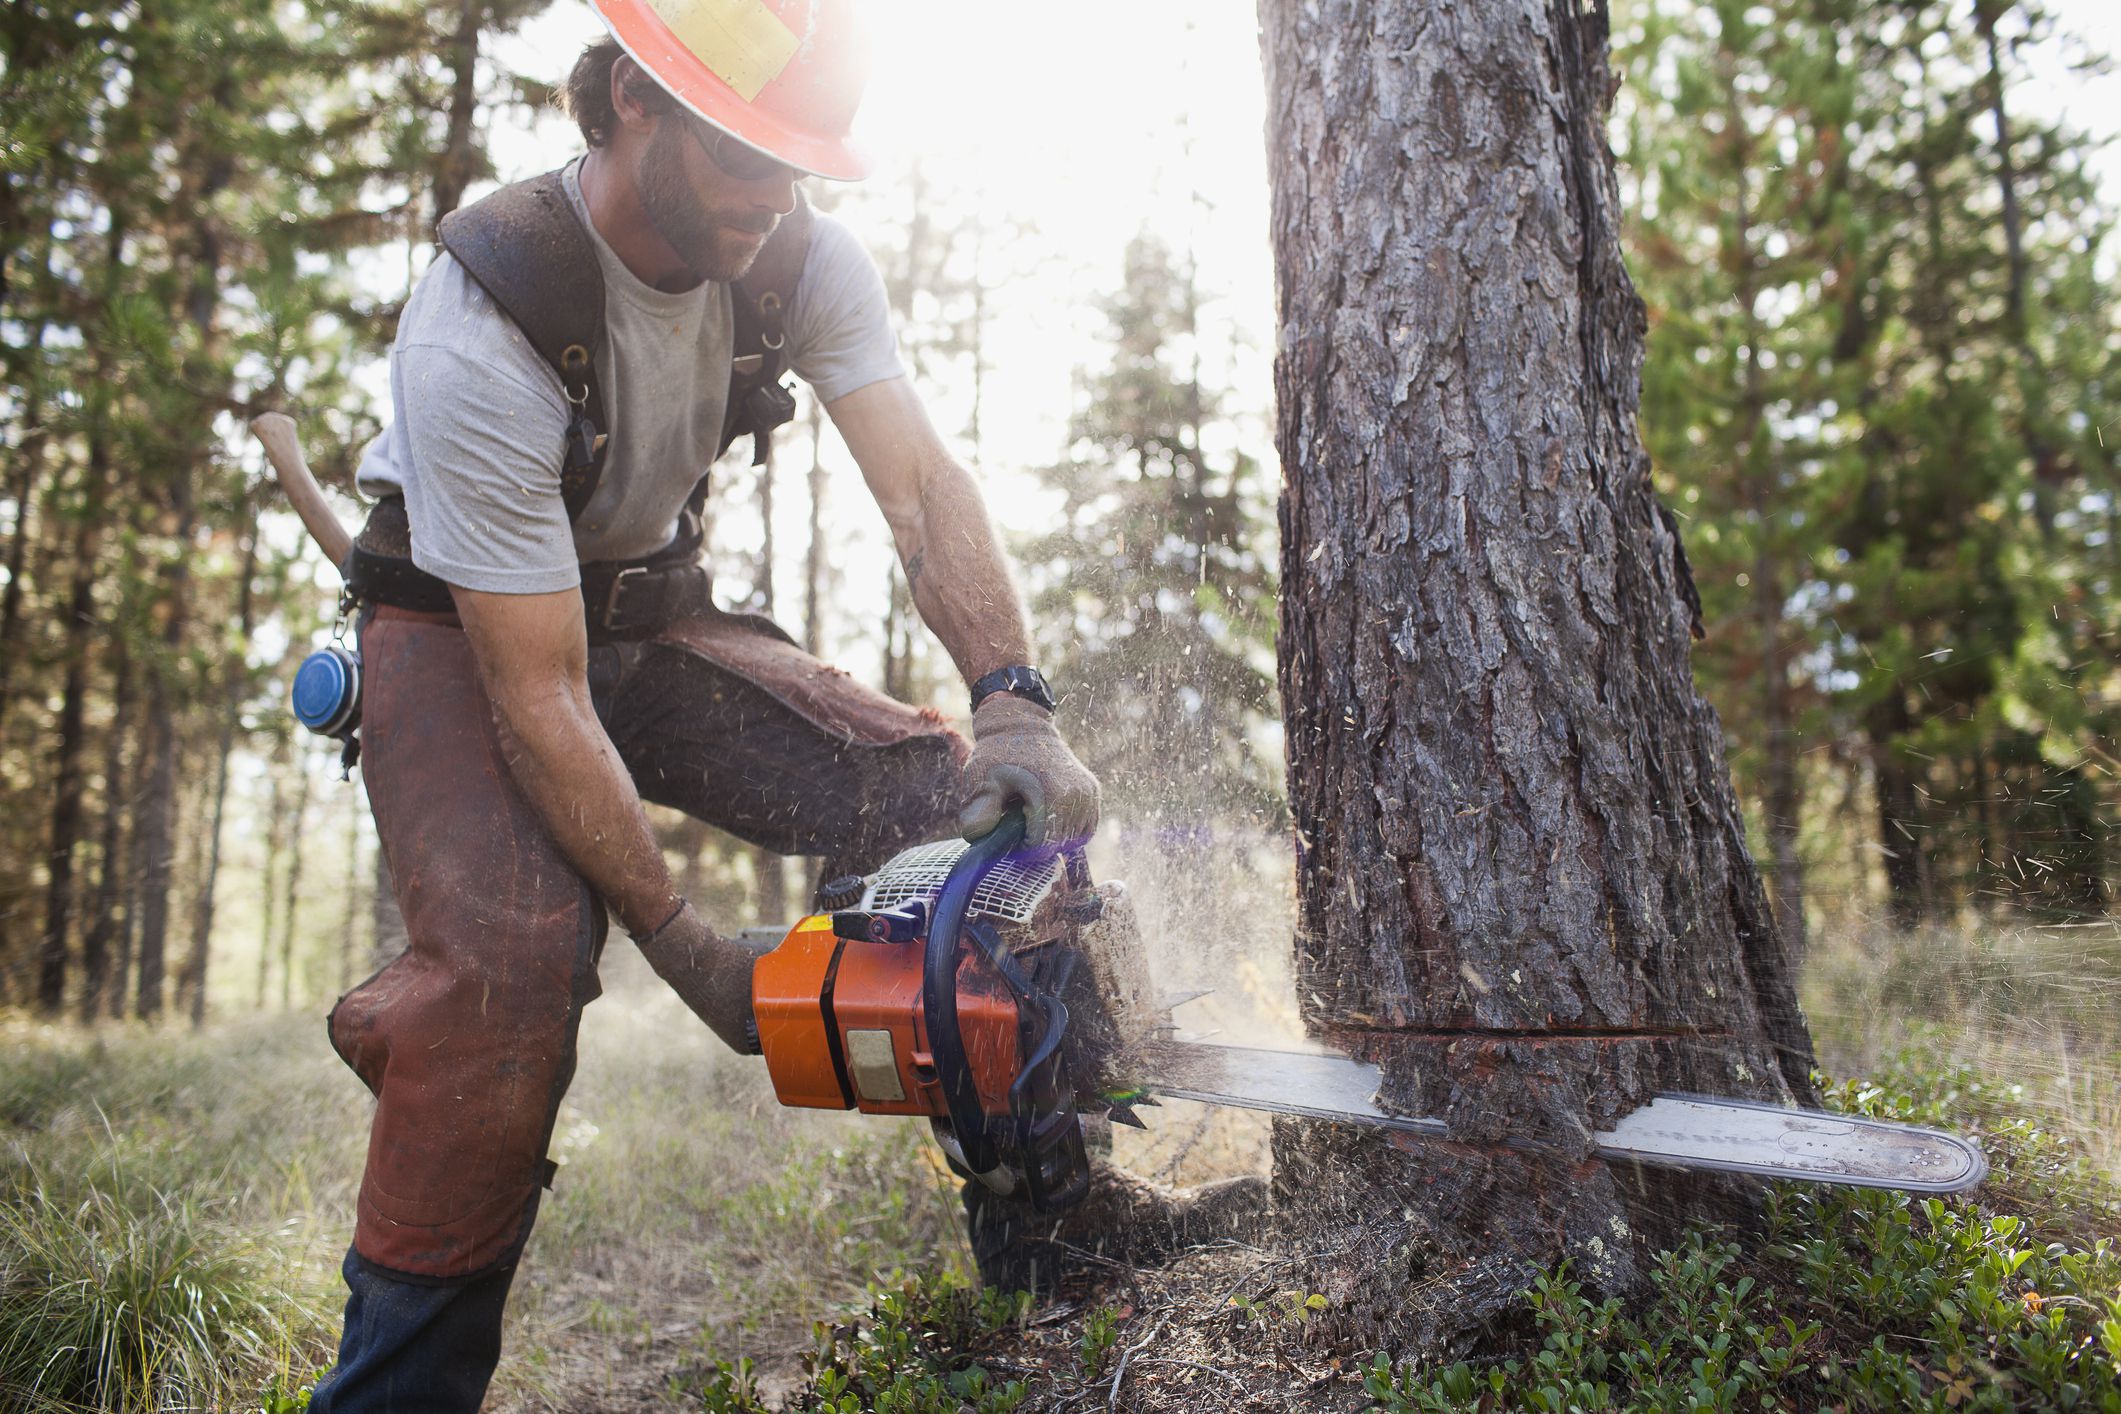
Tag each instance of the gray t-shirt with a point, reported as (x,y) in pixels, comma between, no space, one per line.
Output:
(475,443)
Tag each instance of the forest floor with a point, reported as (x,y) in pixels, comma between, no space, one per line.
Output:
(695,1224)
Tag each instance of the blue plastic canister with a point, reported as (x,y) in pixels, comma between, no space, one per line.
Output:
(327,691)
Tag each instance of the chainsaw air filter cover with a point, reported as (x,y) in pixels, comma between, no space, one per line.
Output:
(1011,893)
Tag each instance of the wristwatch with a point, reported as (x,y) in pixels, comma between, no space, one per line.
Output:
(1021,681)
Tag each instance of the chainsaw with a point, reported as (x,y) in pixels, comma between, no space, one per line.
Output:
(1005,998)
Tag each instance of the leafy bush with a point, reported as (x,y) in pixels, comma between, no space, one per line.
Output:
(1857,1299)
(105,1306)
(910,1356)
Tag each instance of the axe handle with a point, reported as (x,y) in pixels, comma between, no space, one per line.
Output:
(276,432)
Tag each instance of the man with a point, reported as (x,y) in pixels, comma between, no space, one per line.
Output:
(541,655)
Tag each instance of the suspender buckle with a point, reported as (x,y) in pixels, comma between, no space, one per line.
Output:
(611,595)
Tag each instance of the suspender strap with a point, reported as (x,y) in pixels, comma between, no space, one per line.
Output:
(757,402)
(526,249)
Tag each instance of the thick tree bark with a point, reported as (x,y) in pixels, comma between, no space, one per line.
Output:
(1523,881)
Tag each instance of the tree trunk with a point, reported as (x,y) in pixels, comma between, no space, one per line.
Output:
(102,982)
(1900,841)
(458,161)
(2032,374)
(66,763)
(353,892)
(207,173)
(268,890)
(814,552)
(236,675)
(22,490)
(1522,875)
(769,870)
(292,900)
(158,805)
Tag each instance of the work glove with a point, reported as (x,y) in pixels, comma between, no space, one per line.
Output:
(1018,756)
(711,974)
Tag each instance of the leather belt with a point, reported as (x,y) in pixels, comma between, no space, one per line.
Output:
(631,601)
(619,600)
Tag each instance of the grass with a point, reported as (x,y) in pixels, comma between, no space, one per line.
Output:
(2030,1014)
(173,1207)
(108,1307)
(162,1205)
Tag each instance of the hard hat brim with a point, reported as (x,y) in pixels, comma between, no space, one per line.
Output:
(644,36)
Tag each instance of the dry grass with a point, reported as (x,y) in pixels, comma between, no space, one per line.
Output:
(2034,1010)
(694,1218)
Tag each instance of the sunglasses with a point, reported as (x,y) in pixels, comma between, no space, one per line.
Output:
(746,164)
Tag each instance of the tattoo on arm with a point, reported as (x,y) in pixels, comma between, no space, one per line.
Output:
(914,566)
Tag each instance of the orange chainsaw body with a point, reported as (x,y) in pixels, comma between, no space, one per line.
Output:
(840,1025)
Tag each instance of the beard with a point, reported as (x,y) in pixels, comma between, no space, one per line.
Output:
(710,240)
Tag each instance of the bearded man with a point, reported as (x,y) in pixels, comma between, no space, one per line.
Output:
(542,654)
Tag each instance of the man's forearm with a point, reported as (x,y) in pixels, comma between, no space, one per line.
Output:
(960,580)
(566,766)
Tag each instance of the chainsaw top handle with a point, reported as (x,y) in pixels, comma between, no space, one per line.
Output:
(946,1043)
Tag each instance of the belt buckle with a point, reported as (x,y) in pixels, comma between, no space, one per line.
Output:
(611,595)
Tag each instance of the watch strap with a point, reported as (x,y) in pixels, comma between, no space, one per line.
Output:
(1021,680)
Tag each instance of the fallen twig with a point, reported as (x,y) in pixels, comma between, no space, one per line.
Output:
(1119,1375)
(1197,1365)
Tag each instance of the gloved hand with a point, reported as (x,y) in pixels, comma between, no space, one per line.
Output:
(1017,755)
(710,974)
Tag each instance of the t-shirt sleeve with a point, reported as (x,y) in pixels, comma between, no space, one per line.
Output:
(484,500)
(839,319)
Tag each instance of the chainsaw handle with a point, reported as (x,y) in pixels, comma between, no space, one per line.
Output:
(946,1042)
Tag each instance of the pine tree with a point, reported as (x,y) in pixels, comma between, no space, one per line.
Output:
(1153,593)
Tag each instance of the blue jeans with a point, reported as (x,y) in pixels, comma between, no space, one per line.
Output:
(411,1348)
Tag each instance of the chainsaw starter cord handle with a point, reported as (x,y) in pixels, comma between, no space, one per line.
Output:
(946,1042)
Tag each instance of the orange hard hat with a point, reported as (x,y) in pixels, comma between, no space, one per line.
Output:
(782,76)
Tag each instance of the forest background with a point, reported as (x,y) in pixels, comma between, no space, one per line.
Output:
(1883,397)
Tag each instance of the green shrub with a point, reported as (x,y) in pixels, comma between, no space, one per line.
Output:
(1857,1300)
(105,1306)
(911,1355)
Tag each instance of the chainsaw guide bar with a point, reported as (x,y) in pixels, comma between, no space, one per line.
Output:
(1672,1131)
